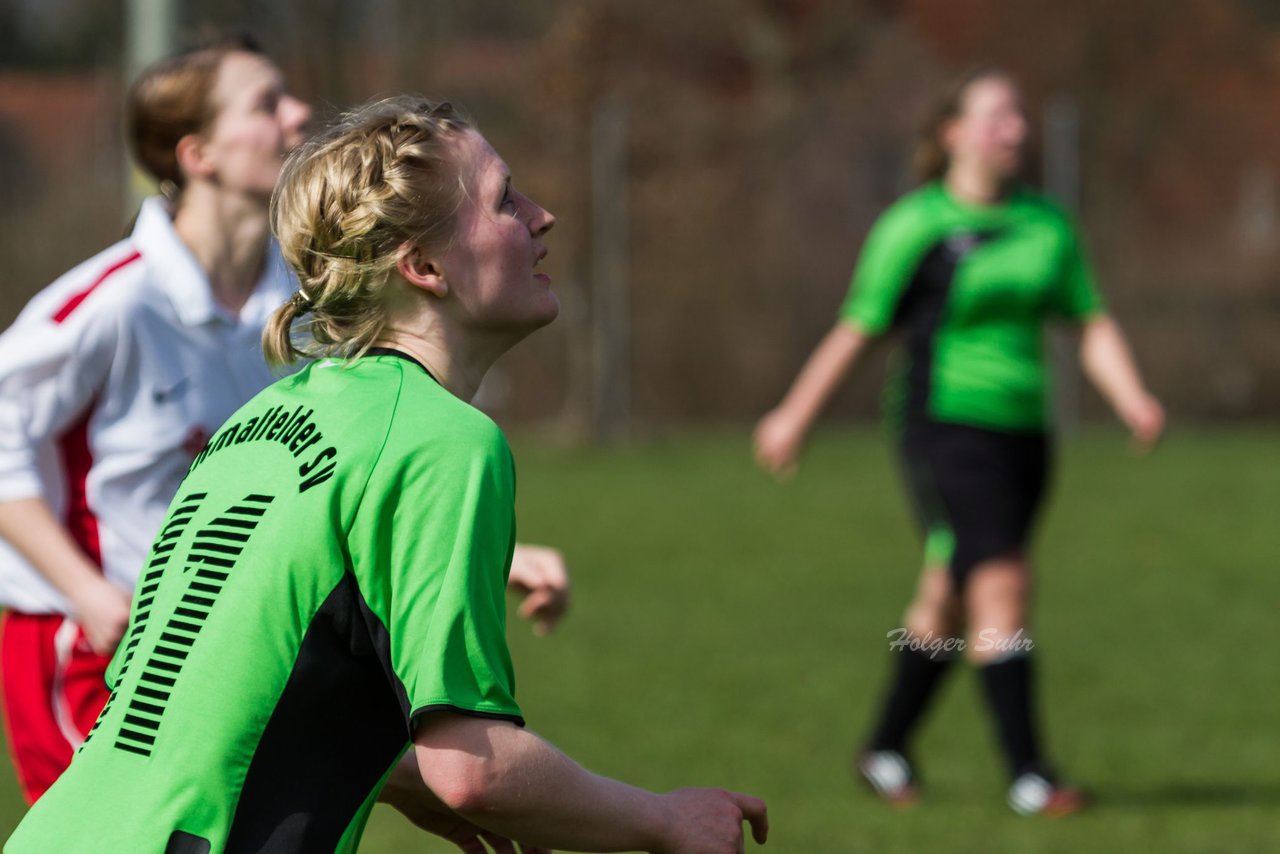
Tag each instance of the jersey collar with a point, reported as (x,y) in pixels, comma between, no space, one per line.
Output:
(391,351)
(182,279)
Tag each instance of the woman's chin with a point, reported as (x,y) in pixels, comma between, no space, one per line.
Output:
(531,317)
(550,310)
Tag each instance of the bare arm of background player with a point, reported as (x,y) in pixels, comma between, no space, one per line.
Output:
(1108,363)
(781,433)
(99,607)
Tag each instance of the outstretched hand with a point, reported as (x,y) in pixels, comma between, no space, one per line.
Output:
(709,821)
(1145,419)
(540,576)
(778,440)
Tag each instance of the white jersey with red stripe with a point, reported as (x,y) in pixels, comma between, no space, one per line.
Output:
(111,380)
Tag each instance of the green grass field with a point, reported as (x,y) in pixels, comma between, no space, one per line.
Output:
(730,631)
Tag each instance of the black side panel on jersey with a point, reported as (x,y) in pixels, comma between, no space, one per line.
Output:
(181,842)
(336,730)
(919,314)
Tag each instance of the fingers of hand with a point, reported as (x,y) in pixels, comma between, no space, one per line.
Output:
(104,628)
(756,813)
(546,565)
(472,845)
(776,453)
(534,602)
(499,844)
(546,607)
(554,571)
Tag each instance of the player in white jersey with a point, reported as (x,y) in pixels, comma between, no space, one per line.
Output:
(112,378)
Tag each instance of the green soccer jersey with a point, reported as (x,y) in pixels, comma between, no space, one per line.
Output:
(334,565)
(971,288)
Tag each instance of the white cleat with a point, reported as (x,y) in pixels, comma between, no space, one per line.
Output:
(1034,794)
(889,775)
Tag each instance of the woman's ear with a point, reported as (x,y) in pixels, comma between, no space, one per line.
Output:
(947,135)
(421,270)
(191,157)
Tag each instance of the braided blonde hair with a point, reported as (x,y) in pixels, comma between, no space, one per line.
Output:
(347,202)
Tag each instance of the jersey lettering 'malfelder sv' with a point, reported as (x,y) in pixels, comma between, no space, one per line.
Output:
(333,567)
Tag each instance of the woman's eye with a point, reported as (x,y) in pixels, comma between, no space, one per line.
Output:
(508,200)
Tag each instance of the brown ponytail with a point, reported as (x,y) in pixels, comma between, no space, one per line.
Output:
(172,99)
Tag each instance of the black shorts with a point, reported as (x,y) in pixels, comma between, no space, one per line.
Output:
(976,491)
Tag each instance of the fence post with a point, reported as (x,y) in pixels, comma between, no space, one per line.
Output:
(610,289)
(151,28)
(1062,181)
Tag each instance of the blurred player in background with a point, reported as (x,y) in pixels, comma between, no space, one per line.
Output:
(969,269)
(114,376)
(325,607)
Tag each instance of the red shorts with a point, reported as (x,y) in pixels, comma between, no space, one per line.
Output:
(53,688)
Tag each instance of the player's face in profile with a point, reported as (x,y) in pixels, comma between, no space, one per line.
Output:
(255,125)
(991,128)
(490,262)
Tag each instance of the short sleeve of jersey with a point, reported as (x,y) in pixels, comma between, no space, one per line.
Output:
(887,263)
(1076,295)
(431,549)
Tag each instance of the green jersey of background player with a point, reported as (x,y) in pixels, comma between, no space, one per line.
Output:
(971,286)
(321,621)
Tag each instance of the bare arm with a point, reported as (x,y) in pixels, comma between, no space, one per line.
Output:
(780,435)
(513,783)
(49,373)
(407,793)
(1108,363)
(100,608)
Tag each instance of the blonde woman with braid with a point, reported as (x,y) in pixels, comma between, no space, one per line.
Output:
(326,624)
(115,375)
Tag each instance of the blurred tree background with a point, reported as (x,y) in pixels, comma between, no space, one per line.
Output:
(759,140)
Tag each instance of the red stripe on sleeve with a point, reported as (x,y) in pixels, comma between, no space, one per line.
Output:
(73,303)
(77,459)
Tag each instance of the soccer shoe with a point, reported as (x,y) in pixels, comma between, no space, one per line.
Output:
(1035,794)
(889,775)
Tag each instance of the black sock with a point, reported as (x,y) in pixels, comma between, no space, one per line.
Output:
(914,684)
(1008,688)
